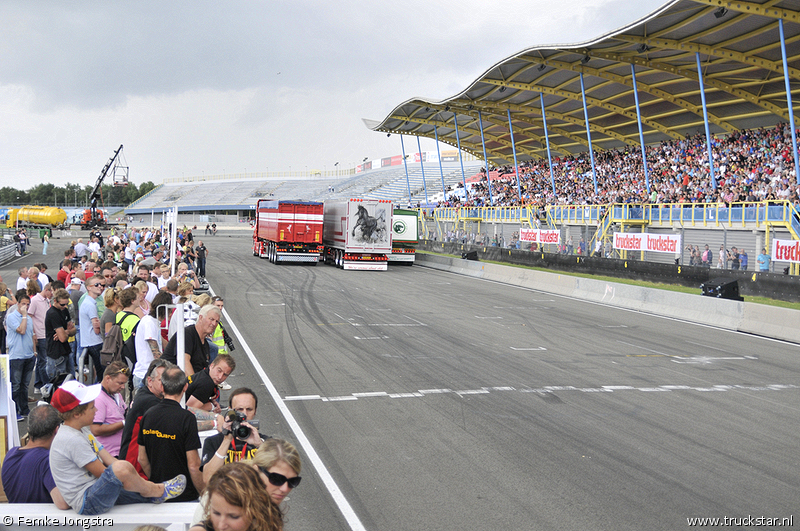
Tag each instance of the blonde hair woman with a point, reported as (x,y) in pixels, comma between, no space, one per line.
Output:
(235,502)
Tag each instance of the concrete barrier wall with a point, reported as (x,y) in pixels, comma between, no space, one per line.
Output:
(759,319)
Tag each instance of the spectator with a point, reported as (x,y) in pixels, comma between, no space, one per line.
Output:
(146,397)
(90,480)
(148,339)
(91,335)
(196,347)
(109,419)
(22,281)
(111,302)
(26,469)
(235,497)
(168,439)
(22,353)
(203,390)
(143,273)
(202,255)
(7,300)
(37,311)
(58,328)
(763,261)
(707,257)
(723,257)
(225,447)
(743,258)
(279,464)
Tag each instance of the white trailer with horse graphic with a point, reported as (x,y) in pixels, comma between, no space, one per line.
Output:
(357,233)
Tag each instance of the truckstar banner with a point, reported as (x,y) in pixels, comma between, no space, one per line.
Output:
(786,251)
(642,241)
(540,236)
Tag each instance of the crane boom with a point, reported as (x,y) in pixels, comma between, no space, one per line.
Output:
(94,219)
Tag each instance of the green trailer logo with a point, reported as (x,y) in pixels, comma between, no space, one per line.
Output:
(399,226)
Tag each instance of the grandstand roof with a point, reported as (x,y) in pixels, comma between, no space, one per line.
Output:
(740,53)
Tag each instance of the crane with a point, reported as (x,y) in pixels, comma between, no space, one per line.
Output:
(92,218)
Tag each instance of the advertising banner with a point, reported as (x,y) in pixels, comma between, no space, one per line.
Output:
(786,251)
(540,236)
(642,241)
(450,155)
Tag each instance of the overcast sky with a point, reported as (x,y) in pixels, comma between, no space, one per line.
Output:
(201,87)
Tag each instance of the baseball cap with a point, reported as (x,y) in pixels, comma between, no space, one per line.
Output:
(76,280)
(72,394)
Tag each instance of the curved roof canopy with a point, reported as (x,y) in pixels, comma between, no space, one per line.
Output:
(740,53)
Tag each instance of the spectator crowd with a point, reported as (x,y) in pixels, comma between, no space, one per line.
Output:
(749,165)
(124,437)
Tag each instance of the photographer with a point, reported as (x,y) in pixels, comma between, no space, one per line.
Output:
(227,446)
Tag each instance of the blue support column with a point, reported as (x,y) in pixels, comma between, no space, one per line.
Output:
(641,133)
(460,159)
(422,167)
(439,156)
(485,159)
(705,119)
(789,100)
(547,144)
(514,149)
(588,133)
(405,164)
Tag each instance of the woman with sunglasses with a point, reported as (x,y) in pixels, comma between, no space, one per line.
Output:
(234,502)
(278,466)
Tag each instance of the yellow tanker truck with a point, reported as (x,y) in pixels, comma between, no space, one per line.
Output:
(36,216)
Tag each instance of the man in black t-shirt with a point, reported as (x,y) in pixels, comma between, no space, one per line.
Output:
(196,346)
(168,438)
(58,328)
(203,391)
(146,397)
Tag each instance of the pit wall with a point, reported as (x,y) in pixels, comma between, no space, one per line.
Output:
(752,318)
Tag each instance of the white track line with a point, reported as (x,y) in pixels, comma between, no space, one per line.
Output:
(344,506)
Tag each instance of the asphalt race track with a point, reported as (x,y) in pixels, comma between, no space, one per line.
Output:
(441,402)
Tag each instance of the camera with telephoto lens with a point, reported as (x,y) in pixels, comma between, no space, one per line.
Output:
(228,341)
(239,431)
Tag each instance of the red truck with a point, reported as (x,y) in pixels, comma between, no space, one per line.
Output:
(288,231)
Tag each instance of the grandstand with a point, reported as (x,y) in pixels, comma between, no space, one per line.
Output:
(241,195)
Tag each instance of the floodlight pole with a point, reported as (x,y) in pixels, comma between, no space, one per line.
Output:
(641,134)
(422,167)
(405,165)
(789,100)
(588,133)
(705,120)
(439,155)
(547,145)
(460,158)
(514,149)
(485,159)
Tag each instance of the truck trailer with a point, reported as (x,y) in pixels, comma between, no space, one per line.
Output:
(288,231)
(358,233)
(405,237)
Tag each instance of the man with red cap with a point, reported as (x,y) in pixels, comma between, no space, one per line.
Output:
(90,480)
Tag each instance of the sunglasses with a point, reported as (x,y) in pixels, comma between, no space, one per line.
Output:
(279,479)
(125,370)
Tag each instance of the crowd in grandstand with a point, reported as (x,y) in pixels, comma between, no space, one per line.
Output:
(751,165)
(91,447)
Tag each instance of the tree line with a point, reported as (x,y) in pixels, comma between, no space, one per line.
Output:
(72,195)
